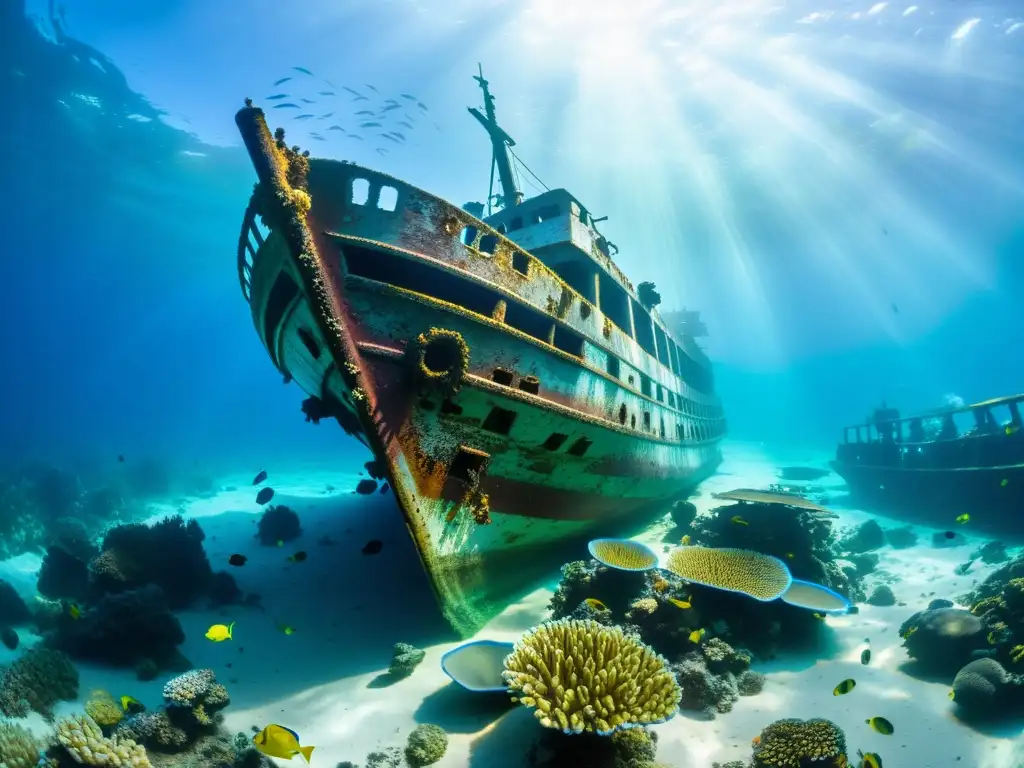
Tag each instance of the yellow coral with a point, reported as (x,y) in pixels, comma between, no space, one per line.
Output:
(582,676)
(18,747)
(85,743)
(623,554)
(102,708)
(794,743)
(645,605)
(660,585)
(757,575)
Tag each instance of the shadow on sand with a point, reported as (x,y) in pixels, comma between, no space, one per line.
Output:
(460,711)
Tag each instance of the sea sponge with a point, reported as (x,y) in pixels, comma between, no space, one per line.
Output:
(18,747)
(750,683)
(760,576)
(85,743)
(426,745)
(581,676)
(702,690)
(792,743)
(37,681)
(623,554)
(102,708)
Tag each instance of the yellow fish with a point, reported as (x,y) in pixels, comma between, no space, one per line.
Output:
(1004,483)
(739,520)
(790,555)
(288,629)
(844,687)
(685,540)
(696,635)
(278,741)
(952,695)
(280,542)
(880,725)
(1010,429)
(127,702)
(964,518)
(220,632)
(870,760)
(679,603)
(74,611)
(596,604)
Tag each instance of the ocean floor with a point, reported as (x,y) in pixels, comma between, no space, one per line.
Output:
(325,680)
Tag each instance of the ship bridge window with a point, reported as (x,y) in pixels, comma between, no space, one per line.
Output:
(662,343)
(644,328)
(521,263)
(613,301)
(671,399)
(387,199)
(580,446)
(546,213)
(499,421)
(488,243)
(659,393)
(645,385)
(468,236)
(468,464)
(613,366)
(360,191)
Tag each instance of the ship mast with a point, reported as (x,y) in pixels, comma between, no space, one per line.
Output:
(500,142)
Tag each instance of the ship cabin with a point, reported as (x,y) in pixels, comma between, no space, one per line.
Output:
(559,231)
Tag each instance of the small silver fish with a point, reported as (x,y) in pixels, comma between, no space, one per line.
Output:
(289,105)
(303,70)
(304,117)
(282,80)
(277,96)
(369,125)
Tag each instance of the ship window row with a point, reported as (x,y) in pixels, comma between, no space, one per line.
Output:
(379,195)
(652,389)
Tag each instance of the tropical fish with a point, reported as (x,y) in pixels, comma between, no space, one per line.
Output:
(369,125)
(288,629)
(317,136)
(880,725)
(790,555)
(870,760)
(360,98)
(388,136)
(1010,429)
(1004,482)
(373,547)
(265,495)
(303,70)
(288,105)
(596,604)
(280,542)
(298,557)
(127,702)
(421,105)
(278,741)
(865,656)
(738,520)
(307,116)
(398,135)
(282,80)
(218,633)
(819,616)
(679,603)
(844,687)
(9,638)
(238,560)
(405,124)
(696,635)
(685,540)
(390,107)
(964,518)
(277,96)
(952,695)
(74,611)
(354,136)
(260,477)
(308,101)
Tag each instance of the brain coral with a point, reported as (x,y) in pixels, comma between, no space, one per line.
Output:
(794,743)
(759,576)
(582,676)
(623,554)
(983,689)
(85,743)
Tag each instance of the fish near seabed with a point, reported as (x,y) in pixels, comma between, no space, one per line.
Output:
(260,477)
(264,496)
(218,633)
(278,741)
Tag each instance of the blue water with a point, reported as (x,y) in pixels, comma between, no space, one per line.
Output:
(836,186)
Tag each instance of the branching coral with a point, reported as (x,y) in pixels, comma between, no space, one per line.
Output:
(581,676)
(197,691)
(18,747)
(84,742)
(794,743)
(37,681)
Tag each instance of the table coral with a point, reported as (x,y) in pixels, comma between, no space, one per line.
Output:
(582,676)
(752,573)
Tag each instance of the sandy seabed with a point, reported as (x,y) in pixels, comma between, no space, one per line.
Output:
(326,680)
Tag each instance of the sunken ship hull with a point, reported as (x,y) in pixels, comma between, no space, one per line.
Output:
(509,414)
(932,468)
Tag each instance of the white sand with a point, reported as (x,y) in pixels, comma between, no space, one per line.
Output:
(348,609)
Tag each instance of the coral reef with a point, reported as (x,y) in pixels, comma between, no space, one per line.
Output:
(616,681)
(710,678)
(792,743)
(36,682)
(864,538)
(882,595)
(426,745)
(943,639)
(404,659)
(633,748)
(623,554)
(122,629)
(984,691)
(999,604)
(750,683)
(63,575)
(198,692)
(102,708)
(18,747)
(278,523)
(991,553)
(748,572)
(82,740)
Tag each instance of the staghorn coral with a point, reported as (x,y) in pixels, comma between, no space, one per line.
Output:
(36,682)
(426,745)
(102,708)
(18,747)
(760,576)
(792,743)
(581,676)
(83,741)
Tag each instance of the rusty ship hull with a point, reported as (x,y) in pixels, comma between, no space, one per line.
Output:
(551,425)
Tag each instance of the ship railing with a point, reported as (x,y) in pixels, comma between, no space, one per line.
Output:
(249,242)
(1000,416)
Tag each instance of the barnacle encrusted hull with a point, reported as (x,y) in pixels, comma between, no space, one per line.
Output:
(477,376)
(581,676)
